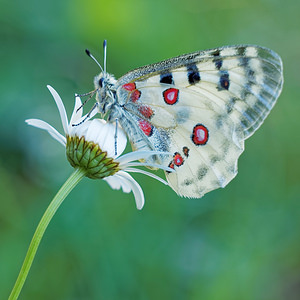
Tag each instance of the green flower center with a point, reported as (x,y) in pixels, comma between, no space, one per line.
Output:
(90,157)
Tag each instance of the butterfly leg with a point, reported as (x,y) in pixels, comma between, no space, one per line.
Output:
(90,94)
(116,136)
(88,116)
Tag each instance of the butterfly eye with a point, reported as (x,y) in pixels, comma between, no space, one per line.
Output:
(101,82)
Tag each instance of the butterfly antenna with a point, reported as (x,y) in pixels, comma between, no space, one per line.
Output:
(94,59)
(104,50)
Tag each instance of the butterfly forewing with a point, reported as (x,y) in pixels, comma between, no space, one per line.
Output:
(200,107)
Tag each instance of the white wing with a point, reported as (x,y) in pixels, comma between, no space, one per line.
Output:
(201,107)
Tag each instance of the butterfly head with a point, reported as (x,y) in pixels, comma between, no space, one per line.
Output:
(105,92)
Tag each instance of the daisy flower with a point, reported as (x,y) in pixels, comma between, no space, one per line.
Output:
(95,146)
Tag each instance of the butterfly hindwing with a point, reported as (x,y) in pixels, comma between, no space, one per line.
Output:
(205,146)
(200,107)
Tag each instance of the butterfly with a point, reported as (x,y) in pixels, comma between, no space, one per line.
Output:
(200,107)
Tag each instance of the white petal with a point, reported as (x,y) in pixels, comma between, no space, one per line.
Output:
(116,182)
(61,108)
(103,134)
(51,130)
(77,113)
(139,164)
(146,173)
(105,137)
(136,189)
(135,155)
(124,180)
(97,132)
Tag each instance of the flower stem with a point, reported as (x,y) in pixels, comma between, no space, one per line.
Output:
(68,186)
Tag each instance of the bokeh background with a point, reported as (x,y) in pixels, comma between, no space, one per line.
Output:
(241,242)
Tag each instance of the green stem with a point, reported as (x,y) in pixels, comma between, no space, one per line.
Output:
(71,182)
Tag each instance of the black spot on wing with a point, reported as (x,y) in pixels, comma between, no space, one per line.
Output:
(224,81)
(186,151)
(214,159)
(166,78)
(217,60)
(241,50)
(188,182)
(216,52)
(202,171)
(193,74)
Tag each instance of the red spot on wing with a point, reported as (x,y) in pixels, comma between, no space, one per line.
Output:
(171,96)
(146,111)
(178,159)
(171,165)
(200,135)
(146,127)
(129,86)
(135,95)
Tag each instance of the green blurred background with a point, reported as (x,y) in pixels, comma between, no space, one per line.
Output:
(241,242)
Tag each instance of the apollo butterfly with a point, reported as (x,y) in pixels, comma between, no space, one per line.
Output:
(200,107)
